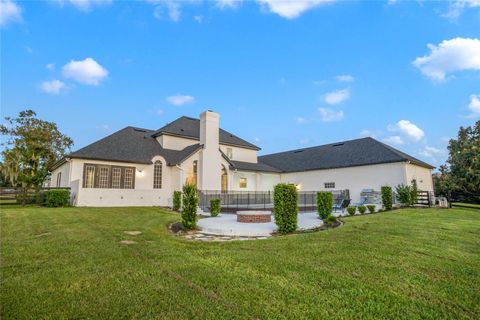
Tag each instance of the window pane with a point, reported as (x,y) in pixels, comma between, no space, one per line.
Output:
(116,176)
(329,185)
(128,176)
(103,177)
(243,182)
(157,175)
(59,179)
(89,176)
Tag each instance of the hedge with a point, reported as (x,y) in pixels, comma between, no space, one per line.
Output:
(177,200)
(387,199)
(362,209)
(371,208)
(57,198)
(190,204)
(214,207)
(324,204)
(285,207)
(351,210)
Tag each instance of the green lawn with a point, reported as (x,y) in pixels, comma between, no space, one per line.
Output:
(465,205)
(68,263)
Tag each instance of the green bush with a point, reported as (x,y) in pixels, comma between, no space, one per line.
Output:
(177,200)
(362,209)
(215,207)
(351,210)
(404,194)
(331,219)
(190,204)
(285,207)
(371,208)
(324,204)
(413,192)
(57,198)
(387,199)
(41,198)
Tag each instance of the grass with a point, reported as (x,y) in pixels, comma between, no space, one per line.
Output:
(68,263)
(465,205)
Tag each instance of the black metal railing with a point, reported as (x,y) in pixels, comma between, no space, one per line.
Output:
(233,201)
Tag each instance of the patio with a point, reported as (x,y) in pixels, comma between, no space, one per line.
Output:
(227,225)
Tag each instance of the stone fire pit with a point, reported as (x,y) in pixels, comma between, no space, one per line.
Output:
(254,216)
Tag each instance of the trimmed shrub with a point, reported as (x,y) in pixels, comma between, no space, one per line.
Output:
(177,200)
(351,210)
(331,219)
(190,204)
(285,207)
(57,198)
(215,207)
(403,194)
(371,208)
(362,209)
(413,192)
(324,204)
(387,199)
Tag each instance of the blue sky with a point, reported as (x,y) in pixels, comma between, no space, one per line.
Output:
(283,75)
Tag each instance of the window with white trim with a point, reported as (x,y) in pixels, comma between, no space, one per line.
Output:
(229,153)
(89,176)
(243,182)
(329,185)
(157,175)
(59,179)
(129,176)
(116,177)
(103,177)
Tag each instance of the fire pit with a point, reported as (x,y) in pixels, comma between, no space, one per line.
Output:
(254,216)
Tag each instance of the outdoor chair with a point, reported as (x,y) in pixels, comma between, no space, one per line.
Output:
(342,206)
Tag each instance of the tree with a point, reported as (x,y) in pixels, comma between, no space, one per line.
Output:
(32,146)
(464,160)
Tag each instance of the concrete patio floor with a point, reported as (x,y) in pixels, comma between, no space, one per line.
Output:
(227,225)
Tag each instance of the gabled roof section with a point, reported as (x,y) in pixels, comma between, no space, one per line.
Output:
(358,152)
(133,145)
(190,128)
(255,167)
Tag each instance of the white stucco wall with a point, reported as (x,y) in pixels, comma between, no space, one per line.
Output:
(175,143)
(240,154)
(251,181)
(64,169)
(422,175)
(143,195)
(354,178)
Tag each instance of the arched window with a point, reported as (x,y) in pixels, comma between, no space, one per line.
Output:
(157,175)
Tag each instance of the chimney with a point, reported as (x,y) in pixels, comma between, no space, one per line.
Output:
(209,173)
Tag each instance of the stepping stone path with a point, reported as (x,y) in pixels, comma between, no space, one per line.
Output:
(128,242)
(133,233)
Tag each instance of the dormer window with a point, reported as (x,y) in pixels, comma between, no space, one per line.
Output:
(229,153)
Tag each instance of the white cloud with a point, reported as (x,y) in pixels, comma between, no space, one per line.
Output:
(394,140)
(408,129)
(370,133)
(86,71)
(228,4)
(172,7)
(336,97)
(50,66)
(290,9)
(54,87)
(301,120)
(160,112)
(198,19)
(9,12)
(329,115)
(304,141)
(180,100)
(345,78)
(431,152)
(474,105)
(449,56)
(456,8)
(84,5)
(256,139)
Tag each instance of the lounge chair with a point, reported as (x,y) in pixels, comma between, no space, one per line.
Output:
(342,206)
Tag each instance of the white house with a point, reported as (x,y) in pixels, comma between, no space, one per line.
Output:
(140,167)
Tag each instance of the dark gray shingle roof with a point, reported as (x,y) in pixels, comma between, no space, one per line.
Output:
(190,127)
(359,152)
(133,145)
(248,166)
